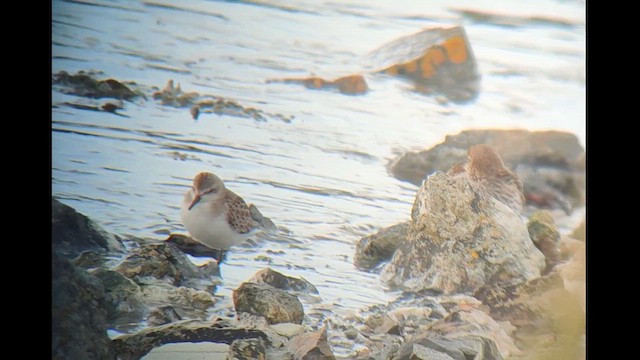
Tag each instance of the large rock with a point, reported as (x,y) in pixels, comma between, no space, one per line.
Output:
(78,315)
(275,305)
(166,262)
(476,327)
(550,164)
(311,346)
(374,249)
(134,346)
(460,240)
(438,347)
(124,301)
(437,60)
(279,281)
(73,233)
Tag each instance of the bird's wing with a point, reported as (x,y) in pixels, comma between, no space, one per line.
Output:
(238,214)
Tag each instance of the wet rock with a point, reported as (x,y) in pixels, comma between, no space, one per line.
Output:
(374,249)
(73,233)
(192,247)
(549,163)
(287,329)
(460,240)
(163,315)
(438,60)
(85,84)
(78,315)
(348,85)
(123,296)
(283,282)
(90,259)
(276,305)
(388,326)
(163,261)
(182,297)
(134,346)
(436,347)
(476,326)
(311,346)
(544,234)
(247,349)
(200,104)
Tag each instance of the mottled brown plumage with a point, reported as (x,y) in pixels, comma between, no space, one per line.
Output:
(486,170)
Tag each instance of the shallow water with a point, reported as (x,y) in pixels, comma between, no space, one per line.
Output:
(321,178)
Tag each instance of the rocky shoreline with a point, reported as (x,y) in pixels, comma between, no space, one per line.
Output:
(479,280)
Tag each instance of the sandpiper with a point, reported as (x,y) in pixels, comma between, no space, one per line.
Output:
(215,215)
(486,169)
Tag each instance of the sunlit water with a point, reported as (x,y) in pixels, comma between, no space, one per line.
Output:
(322,178)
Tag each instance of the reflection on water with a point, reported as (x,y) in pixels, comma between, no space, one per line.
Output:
(322,177)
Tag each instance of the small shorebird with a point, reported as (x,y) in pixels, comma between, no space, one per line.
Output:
(486,169)
(215,215)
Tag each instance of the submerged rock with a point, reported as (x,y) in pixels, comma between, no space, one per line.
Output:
(73,233)
(78,314)
(311,346)
(275,305)
(374,249)
(461,239)
(85,84)
(348,85)
(549,163)
(134,346)
(163,261)
(283,282)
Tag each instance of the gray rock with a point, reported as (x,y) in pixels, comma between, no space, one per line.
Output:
(134,346)
(283,282)
(123,297)
(163,261)
(460,240)
(287,329)
(544,234)
(311,346)
(90,259)
(73,233)
(275,305)
(185,298)
(550,163)
(477,335)
(78,315)
(247,349)
(374,249)
(163,315)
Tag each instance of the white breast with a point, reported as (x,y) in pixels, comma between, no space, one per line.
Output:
(212,231)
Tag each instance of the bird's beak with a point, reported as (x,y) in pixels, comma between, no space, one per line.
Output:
(195,201)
